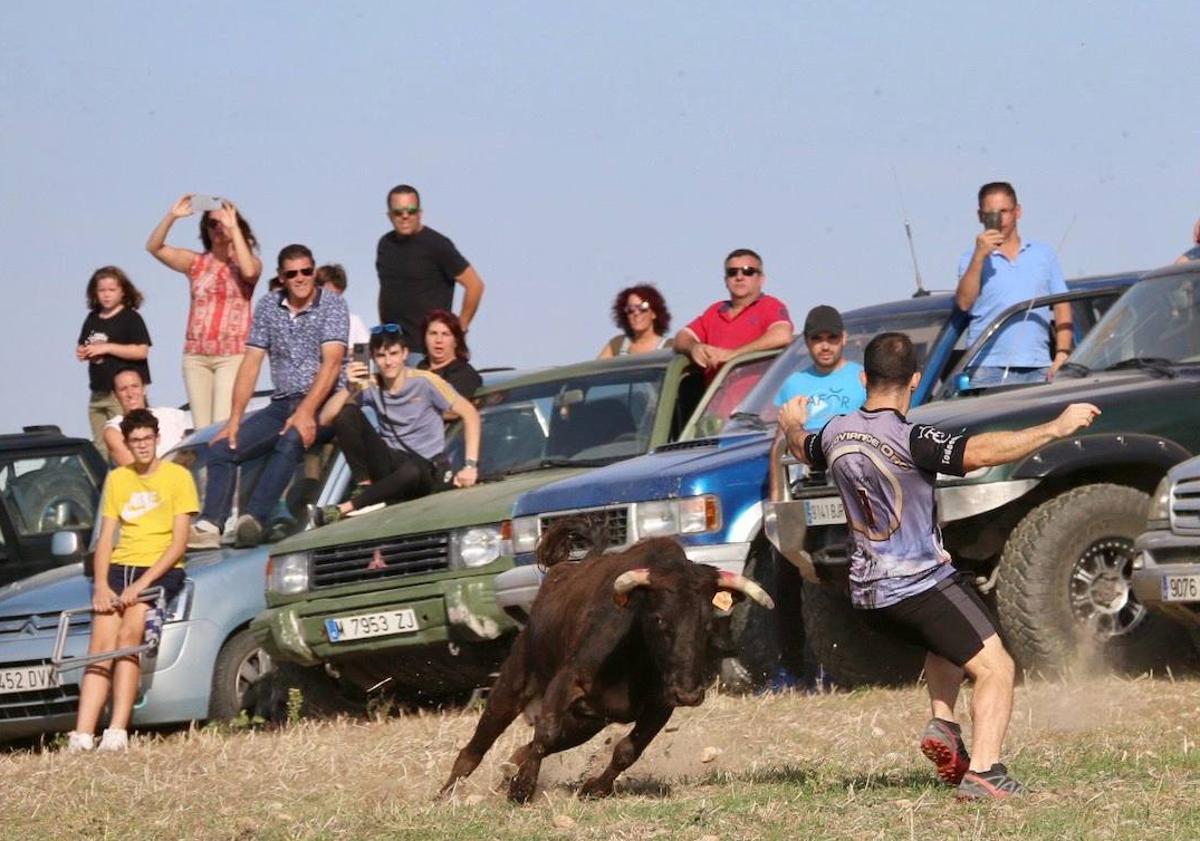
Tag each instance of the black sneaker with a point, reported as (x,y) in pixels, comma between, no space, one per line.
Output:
(248,532)
(992,784)
(942,743)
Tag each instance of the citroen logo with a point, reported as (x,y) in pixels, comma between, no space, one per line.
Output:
(30,627)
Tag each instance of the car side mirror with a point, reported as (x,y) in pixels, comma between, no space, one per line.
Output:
(962,382)
(65,544)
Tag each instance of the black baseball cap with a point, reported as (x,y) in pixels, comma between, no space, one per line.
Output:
(823,319)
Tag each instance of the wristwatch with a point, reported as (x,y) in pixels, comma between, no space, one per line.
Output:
(470,462)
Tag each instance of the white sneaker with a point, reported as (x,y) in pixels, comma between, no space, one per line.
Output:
(204,535)
(114,740)
(80,742)
(357,511)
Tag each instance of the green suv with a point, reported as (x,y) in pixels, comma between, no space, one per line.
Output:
(1050,537)
(402,598)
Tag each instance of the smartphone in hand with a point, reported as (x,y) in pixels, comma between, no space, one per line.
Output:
(990,219)
(361,352)
(202,204)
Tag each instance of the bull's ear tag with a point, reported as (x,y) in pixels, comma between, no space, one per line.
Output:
(723,600)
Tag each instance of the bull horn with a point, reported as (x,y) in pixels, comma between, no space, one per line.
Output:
(731,581)
(627,581)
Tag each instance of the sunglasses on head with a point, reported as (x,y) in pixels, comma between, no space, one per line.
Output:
(402,212)
(634,309)
(390,327)
(748,271)
(291,273)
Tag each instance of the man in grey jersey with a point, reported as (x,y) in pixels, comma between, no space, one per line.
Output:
(885,469)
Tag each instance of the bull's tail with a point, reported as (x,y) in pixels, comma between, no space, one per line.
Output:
(572,538)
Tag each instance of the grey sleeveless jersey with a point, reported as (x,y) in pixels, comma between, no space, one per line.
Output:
(885,469)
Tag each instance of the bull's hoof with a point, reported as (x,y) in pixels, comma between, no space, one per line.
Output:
(594,788)
(520,791)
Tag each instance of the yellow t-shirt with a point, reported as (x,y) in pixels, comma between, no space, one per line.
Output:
(145,507)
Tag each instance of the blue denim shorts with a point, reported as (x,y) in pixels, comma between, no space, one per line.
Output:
(121,576)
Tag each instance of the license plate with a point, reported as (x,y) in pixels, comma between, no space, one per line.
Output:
(28,679)
(1181,588)
(826,511)
(343,628)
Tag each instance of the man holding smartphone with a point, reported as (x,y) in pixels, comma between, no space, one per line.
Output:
(1001,270)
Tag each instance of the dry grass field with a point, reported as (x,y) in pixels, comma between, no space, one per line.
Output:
(1106,758)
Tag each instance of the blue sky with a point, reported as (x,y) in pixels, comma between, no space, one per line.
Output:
(569,151)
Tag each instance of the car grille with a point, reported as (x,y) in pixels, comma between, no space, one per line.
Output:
(36,624)
(1185,506)
(615,521)
(39,703)
(377,559)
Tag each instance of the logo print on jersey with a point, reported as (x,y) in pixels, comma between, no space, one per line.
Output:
(139,505)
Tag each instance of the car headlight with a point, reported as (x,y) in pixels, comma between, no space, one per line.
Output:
(524,534)
(287,574)
(693,515)
(476,546)
(1160,504)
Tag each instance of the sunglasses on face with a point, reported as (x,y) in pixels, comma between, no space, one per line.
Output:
(390,327)
(404,212)
(291,273)
(748,271)
(634,309)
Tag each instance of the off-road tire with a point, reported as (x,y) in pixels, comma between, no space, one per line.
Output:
(45,489)
(852,652)
(1033,586)
(240,664)
(320,694)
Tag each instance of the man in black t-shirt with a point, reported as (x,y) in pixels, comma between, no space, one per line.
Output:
(418,268)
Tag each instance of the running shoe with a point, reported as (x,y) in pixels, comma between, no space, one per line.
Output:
(992,784)
(248,533)
(327,514)
(204,535)
(942,743)
(80,742)
(114,741)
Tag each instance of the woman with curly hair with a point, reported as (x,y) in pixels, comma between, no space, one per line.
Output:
(446,352)
(113,337)
(221,282)
(644,319)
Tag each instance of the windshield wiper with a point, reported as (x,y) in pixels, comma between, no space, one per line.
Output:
(1075,368)
(1157,364)
(543,464)
(750,419)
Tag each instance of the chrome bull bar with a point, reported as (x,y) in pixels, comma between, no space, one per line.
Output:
(784,521)
(59,663)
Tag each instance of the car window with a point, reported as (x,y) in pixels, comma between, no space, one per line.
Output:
(739,378)
(586,419)
(922,326)
(1157,319)
(48,493)
(288,516)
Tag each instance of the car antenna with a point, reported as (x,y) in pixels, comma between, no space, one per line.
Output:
(1067,233)
(912,249)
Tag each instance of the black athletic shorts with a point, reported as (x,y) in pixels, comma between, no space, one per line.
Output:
(121,576)
(949,619)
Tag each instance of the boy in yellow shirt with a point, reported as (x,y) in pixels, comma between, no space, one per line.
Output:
(152,501)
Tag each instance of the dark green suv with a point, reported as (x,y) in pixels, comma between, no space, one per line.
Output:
(1050,537)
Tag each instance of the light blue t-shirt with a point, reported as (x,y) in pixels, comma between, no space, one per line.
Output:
(1025,342)
(837,393)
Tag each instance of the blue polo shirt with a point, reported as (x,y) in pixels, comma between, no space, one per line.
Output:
(1035,272)
(293,340)
(837,393)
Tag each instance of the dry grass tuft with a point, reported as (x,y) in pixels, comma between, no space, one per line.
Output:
(1108,758)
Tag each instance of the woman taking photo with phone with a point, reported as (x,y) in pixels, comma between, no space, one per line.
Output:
(221,283)
(113,337)
(405,458)
(644,319)
(152,503)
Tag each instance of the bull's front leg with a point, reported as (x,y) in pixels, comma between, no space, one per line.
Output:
(547,734)
(628,750)
(508,697)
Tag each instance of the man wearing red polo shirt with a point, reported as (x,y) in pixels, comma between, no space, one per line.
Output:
(748,321)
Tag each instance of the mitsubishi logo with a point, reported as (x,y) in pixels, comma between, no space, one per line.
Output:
(30,627)
(377,561)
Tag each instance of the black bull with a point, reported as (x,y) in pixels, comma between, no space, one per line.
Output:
(616,637)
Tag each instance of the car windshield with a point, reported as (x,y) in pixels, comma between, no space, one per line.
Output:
(758,409)
(585,420)
(1157,322)
(289,515)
